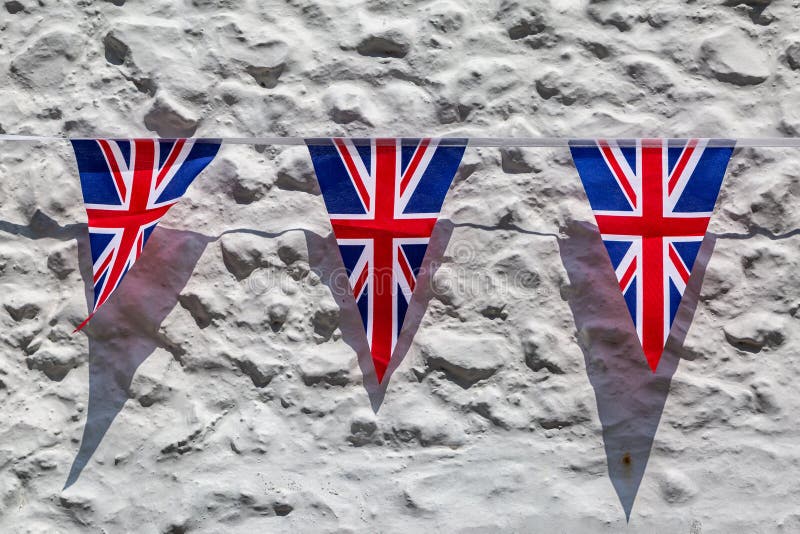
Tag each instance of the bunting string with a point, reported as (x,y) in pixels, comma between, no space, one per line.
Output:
(451,140)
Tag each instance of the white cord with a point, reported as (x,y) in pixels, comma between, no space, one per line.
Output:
(541,142)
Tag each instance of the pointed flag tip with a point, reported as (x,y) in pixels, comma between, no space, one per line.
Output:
(380,372)
(84,323)
(652,361)
(380,363)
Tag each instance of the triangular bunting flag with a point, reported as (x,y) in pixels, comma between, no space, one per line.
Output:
(652,200)
(384,197)
(128,186)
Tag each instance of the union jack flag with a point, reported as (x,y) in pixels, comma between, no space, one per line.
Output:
(384,197)
(652,200)
(128,186)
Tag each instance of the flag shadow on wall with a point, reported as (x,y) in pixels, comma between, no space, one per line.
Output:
(125,331)
(630,397)
(326,262)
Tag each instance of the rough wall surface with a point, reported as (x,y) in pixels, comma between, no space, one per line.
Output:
(220,389)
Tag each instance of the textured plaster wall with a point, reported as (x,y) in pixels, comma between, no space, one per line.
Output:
(220,389)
